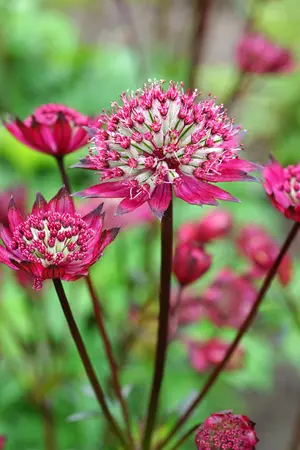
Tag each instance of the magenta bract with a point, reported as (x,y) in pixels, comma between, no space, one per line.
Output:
(190,263)
(158,142)
(19,194)
(283,187)
(53,129)
(2,442)
(261,250)
(256,54)
(226,431)
(54,241)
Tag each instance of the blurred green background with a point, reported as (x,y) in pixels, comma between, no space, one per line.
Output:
(84,53)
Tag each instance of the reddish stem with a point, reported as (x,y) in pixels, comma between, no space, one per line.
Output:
(163,326)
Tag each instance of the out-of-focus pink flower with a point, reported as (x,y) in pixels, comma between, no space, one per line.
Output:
(229,299)
(53,129)
(256,54)
(190,309)
(226,431)
(54,241)
(261,250)
(283,188)
(2,442)
(214,225)
(204,355)
(19,195)
(158,142)
(139,216)
(190,263)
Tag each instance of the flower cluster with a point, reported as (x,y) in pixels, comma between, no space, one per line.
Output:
(256,54)
(283,187)
(53,129)
(226,431)
(190,263)
(53,241)
(160,139)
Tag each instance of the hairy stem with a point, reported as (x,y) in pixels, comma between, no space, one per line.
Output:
(163,325)
(110,357)
(241,332)
(87,362)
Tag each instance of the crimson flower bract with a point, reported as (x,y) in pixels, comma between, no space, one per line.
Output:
(158,141)
(54,241)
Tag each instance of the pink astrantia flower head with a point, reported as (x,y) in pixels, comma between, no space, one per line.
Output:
(214,225)
(204,355)
(261,250)
(283,188)
(158,141)
(190,263)
(226,431)
(255,54)
(54,241)
(53,129)
(229,299)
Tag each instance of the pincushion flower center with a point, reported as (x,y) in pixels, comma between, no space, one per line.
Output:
(291,184)
(52,238)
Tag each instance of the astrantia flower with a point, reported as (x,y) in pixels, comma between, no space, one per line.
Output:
(255,54)
(53,241)
(53,129)
(158,141)
(204,355)
(190,309)
(226,431)
(283,187)
(190,263)
(214,225)
(262,250)
(229,299)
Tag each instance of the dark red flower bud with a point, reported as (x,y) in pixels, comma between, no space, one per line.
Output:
(226,431)
(190,263)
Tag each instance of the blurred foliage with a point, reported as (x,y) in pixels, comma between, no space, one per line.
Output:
(43,58)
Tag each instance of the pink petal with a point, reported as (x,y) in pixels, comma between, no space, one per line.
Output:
(14,215)
(160,199)
(62,133)
(40,204)
(191,191)
(218,193)
(5,258)
(107,237)
(5,235)
(130,204)
(62,202)
(79,139)
(113,189)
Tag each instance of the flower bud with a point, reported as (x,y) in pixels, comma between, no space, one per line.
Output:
(226,431)
(190,263)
